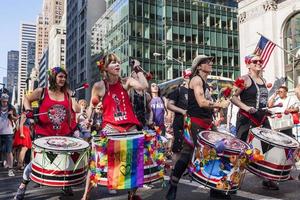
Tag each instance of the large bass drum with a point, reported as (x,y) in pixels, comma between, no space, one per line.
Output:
(278,150)
(59,161)
(223,171)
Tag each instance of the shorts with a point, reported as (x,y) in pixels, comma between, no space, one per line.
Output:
(6,142)
(85,135)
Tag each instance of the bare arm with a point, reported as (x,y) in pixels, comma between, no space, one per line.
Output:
(236,100)
(171,106)
(140,83)
(98,92)
(75,105)
(34,96)
(196,85)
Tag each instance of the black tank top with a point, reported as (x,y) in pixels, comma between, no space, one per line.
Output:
(139,106)
(249,96)
(194,110)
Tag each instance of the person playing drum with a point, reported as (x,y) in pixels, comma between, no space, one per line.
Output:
(288,106)
(118,115)
(200,109)
(252,100)
(56,116)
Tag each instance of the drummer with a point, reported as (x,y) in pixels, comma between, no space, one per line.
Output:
(118,115)
(200,109)
(251,99)
(58,98)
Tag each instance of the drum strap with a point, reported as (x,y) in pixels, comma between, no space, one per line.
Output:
(206,124)
(253,119)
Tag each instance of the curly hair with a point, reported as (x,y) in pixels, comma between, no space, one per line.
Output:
(52,79)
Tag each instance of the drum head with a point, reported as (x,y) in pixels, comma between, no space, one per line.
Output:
(275,137)
(61,143)
(231,143)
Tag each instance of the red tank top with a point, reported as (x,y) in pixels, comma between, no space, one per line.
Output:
(55,120)
(117,108)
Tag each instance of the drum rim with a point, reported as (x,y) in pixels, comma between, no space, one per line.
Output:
(61,150)
(275,144)
(227,149)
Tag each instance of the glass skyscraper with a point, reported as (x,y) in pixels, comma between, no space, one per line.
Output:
(173,30)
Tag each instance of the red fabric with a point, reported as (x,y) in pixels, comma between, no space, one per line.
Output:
(253,119)
(295,117)
(23,142)
(45,126)
(206,124)
(117,108)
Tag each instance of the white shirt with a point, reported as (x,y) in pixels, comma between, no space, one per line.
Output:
(286,103)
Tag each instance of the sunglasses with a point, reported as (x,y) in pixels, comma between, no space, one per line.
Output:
(281,91)
(256,61)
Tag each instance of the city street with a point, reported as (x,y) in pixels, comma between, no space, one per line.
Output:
(251,189)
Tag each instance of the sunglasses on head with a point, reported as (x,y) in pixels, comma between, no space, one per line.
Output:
(256,61)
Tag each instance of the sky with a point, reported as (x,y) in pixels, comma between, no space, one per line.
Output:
(12,13)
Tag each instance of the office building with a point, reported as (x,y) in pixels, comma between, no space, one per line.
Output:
(27,35)
(12,70)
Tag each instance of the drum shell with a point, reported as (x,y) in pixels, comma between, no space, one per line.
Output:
(234,171)
(151,168)
(68,168)
(278,159)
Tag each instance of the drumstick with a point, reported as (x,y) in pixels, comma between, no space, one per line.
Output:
(51,111)
(95,102)
(84,86)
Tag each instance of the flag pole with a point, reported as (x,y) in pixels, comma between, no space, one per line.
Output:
(286,51)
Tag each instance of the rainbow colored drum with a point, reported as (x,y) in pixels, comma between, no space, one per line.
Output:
(59,161)
(152,167)
(217,162)
(278,150)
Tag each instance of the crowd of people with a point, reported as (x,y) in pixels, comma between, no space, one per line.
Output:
(135,103)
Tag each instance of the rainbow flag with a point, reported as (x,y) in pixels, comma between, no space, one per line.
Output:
(125,162)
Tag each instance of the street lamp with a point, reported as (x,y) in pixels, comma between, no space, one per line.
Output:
(155,54)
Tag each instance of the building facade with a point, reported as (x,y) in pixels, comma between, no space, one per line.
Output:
(51,14)
(42,73)
(57,46)
(279,21)
(81,16)
(175,31)
(12,70)
(27,35)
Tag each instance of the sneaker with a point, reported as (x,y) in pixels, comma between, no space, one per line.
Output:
(5,164)
(112,191)
(216,194)
(171,195)
(67,191)
(20,194)
(270,185)
(11,172)
(147,186)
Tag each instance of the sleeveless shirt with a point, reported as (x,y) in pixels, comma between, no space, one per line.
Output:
(117,108)
(55,120)
(193,108)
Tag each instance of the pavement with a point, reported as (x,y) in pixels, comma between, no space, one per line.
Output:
(187,190)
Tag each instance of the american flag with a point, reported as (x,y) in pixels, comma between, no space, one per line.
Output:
(264,49)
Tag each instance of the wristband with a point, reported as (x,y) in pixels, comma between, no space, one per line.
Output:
(29,114)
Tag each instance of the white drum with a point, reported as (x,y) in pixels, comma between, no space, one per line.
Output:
(278,150)
(59,161)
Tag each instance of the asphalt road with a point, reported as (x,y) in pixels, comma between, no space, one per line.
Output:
(187,190)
